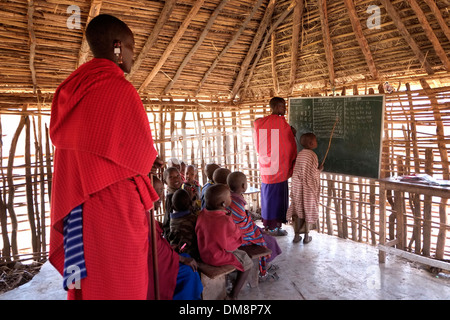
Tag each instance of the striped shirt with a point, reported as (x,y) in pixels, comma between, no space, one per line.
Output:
(250,231)
(74,263)
(305,189)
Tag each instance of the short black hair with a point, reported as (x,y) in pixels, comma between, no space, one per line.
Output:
(235,179)
(102,31)
(214,196)
(306,138)
(220,175)
(181,200)
(275,101)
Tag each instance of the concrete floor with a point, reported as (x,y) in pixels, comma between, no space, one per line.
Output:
(333,268)
(327,268)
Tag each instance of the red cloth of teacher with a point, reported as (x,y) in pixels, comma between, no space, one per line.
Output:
(276,147)
(104,151)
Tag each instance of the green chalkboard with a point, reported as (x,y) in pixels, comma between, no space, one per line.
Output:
(356,143)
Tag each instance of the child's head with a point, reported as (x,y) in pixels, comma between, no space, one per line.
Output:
(217,197)
(308,140)
(174,162)
(191,173)
(159,188)
(181,200)
(210,168)
(220,175)
(237,181)
(172,177)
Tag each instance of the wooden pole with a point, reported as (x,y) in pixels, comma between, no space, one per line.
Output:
(329,142)
(154,250)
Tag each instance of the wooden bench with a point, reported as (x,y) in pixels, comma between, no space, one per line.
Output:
(255,252)
(214,280)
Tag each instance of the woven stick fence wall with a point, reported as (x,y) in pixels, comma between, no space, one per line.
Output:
(201,132)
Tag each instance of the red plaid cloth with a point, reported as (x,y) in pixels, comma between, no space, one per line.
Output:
(102,138)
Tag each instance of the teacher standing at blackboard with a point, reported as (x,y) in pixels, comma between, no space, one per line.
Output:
(277,151)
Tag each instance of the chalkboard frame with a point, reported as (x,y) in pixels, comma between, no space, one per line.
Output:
(378,130)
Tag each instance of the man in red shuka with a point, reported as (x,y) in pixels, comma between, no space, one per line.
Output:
(104,152)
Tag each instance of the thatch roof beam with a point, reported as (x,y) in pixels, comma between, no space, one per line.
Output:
(296,30)
(32,35)
(326,39)
(392,12)
(437,14)
(230,44)
(430,34)
(151,40)
(273,63)
(364,45)
(192,13)
(263,45)
(253,47)
(202,37)
(94,11)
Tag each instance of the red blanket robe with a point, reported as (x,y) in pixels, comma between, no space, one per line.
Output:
(276,147)
(217,237)
(102,138)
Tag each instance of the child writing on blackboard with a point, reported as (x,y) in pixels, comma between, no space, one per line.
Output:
(304,207)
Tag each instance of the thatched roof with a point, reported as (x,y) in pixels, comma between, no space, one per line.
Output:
(229,49)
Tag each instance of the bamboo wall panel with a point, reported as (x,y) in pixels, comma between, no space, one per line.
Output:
(201,132)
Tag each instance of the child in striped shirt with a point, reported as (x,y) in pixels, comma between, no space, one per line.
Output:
(305,190)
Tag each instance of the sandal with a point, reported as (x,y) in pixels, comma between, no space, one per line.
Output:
(273,267)
(277,232)
(307,240)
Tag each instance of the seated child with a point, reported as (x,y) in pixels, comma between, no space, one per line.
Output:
(177,272)
(172,179)
(209,168)
(174,162)
(220,175)
(182,224)
(219,238)
(252,234)
(305,191)
(193,187)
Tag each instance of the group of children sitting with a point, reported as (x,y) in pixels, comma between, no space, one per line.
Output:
(211,223)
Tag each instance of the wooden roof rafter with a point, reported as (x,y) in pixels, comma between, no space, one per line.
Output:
(362,41)
(264,42)
(151,40)
(179,34)
(276,86)
(253,47)
(32,35)
(327,39)
(430,33)
(202,37)
(437,14)
(230,44)
(94,11)
(296,31)
(392,12)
